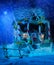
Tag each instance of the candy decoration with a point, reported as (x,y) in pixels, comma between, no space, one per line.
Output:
(28,28)
(39,31)
(42,17)
(40,23)
(19,22)
(18,33)
(26,19)
(48,31)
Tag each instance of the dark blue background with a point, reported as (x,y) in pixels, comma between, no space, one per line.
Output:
(6,6)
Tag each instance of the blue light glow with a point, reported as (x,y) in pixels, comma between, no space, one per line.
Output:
(5,12)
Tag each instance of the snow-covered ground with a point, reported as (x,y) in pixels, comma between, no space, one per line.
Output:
(41,56)
(13,51)
(37,60)
(41,52)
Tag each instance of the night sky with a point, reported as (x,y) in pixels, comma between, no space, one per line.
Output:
(6,35)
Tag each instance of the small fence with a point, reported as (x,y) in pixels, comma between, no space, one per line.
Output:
(6,55)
